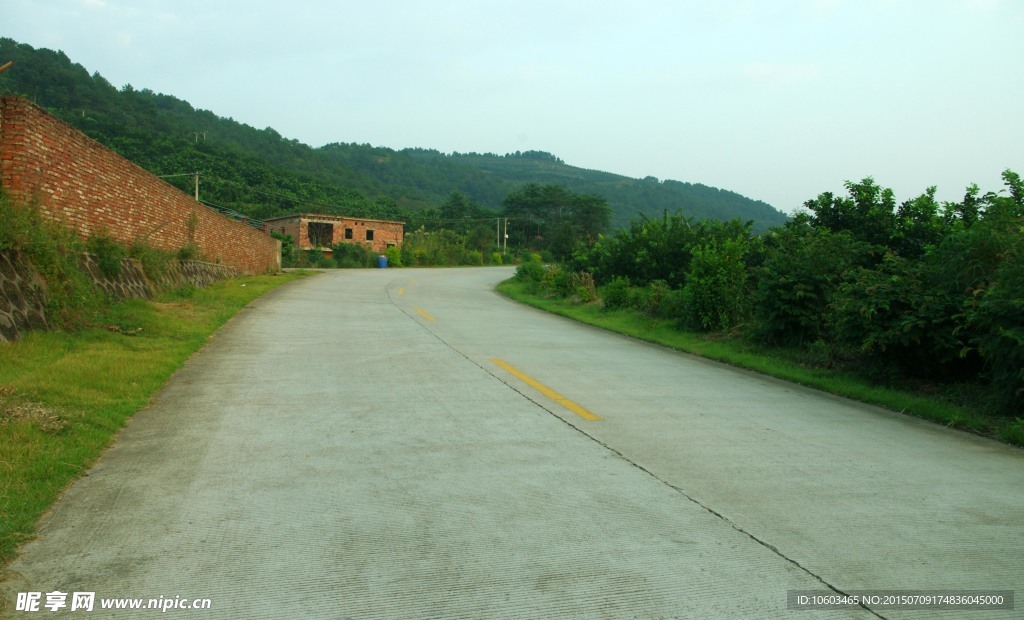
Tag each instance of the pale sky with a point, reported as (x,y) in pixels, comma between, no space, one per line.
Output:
(778,100)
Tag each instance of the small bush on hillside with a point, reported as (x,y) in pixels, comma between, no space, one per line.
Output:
(154,262)
(54,252)
(108,252)
(188,252)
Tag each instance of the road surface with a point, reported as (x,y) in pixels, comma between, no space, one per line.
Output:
(409,444)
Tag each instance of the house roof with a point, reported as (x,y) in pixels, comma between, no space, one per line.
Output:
(330,218)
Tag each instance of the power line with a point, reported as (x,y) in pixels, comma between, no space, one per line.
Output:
(315,203)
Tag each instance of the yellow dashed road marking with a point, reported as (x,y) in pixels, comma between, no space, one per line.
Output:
(546,391)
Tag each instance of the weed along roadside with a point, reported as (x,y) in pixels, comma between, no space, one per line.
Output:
(739,352)
(65,394)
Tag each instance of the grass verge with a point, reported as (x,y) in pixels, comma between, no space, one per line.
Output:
(773,362)
(64,395)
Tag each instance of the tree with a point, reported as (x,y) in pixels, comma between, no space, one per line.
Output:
(868,213)
(537,213)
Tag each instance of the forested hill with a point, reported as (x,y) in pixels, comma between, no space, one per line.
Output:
(626,195)
(260,173)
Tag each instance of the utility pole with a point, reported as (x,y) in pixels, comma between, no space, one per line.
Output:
(505,248)
(197,186)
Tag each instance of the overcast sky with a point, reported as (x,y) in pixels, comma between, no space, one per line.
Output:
(778,100)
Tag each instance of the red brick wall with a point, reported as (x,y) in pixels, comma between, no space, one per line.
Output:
(385,232)
(91,189)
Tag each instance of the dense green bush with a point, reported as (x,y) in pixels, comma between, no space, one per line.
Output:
(351,255)
(108,253)
(394,254)
(531,272)
(472,257)
(155,263)
(995,318)
(188,252)
(617,294)
(287,248)
(715,297)
(917,291)
(898,321)
(583,287)
(803,266)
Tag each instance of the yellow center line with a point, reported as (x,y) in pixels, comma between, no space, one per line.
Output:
(423,313)
(401,291)
(546,391)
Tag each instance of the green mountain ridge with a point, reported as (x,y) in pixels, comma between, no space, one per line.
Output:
(260,174)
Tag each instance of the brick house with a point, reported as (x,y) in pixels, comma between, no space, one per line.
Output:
(310,230)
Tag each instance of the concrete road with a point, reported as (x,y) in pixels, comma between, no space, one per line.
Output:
(408,444)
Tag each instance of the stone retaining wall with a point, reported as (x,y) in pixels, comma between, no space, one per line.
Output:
(23,291)
(22,297)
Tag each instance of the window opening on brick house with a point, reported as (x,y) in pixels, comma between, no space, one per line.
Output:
(320,234)
(348,233)
(369,234)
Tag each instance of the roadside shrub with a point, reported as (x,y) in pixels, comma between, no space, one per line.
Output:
(414,256)
(715,294)
(562,281)
(108,252)
(657,291)
(616,295)
(583,287)
(803,267)
(548,283)
(472,257)
(436,247)
(672,304)
(352,256)
(1014,432)
(897,321)
(154,262)
(188,252)
(313,257)
(287,248)
(532,271)
(995,316)
(496,258)
(394,254)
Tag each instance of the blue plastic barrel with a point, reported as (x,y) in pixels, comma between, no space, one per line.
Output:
(382,262)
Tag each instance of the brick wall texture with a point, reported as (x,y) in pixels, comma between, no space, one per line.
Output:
(82,184)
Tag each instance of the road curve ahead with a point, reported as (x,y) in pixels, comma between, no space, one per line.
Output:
(408,444)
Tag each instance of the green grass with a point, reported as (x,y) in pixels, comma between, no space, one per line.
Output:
(780,363)
(64,395)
